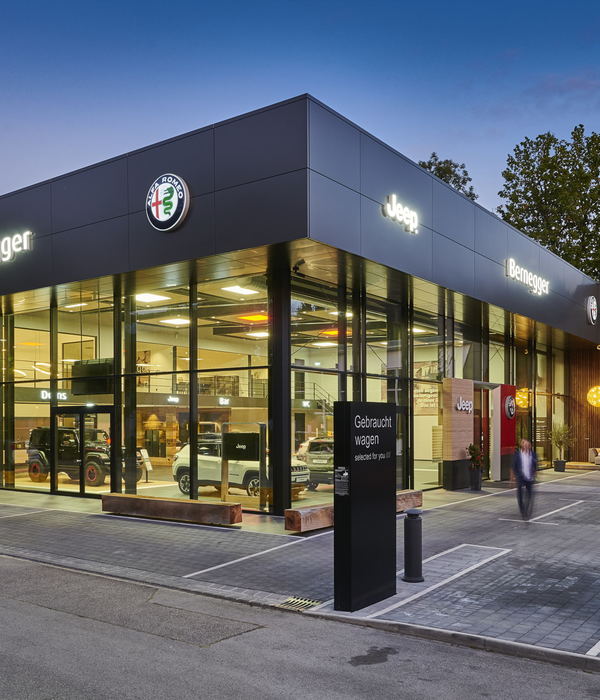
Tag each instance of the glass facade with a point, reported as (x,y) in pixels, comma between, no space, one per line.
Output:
(148,372)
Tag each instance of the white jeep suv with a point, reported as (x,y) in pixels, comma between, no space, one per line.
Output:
(242,474)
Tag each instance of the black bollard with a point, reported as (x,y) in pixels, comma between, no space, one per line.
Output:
(413,547)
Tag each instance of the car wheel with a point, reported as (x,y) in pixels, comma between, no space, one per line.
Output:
(253,486)
(183,480)
(36,471)
(312,485)
(94,474)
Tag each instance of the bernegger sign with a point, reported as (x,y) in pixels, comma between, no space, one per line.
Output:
(17,243)
(537,285)
(401,214)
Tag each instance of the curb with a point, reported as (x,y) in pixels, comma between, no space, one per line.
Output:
(473,641)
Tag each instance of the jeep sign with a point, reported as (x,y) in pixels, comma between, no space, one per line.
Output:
(243,446)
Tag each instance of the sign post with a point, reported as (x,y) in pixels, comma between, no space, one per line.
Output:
(364,503)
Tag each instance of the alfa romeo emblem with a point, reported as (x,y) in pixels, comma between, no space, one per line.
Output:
(510,407)
(592,310)
(167,202)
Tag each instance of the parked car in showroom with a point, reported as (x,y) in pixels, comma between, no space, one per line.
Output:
(242,474)
(318,457)
(96,452)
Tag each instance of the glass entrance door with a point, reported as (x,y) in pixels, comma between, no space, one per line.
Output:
(82,455)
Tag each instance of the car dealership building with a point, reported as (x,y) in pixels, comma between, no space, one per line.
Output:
(243,277)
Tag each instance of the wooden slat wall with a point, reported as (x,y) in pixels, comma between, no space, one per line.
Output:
(584,373)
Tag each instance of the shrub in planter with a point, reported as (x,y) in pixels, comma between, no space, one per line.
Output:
(477,462)
(562,438)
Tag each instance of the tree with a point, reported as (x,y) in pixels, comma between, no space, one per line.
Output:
(455,174)
(552,193)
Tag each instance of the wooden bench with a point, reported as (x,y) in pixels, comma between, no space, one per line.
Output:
(185,511)
(306,518)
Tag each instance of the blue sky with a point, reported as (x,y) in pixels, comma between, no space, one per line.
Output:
(85,81)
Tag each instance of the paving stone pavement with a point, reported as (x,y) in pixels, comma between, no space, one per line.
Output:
(545,590)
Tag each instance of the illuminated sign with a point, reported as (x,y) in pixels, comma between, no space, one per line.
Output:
(46,395)
(17,243)
(223,401)
(537,285)
(167,202)
(173,399)
(462,405)
(401,214)
(591,308)
(510,407)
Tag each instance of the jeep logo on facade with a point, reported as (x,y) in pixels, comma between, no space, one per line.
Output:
(167,202)
(510,407)
(462,405)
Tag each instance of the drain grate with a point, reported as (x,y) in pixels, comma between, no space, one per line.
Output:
(295,603)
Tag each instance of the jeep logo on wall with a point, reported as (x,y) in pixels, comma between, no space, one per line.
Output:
(464,405)
(167,202)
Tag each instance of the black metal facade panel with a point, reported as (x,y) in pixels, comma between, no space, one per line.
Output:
(27,210)
(453,217)
(459,245)
(271,210)
(334,213)
(92,247)
(334,147)
(261,145)
(91,195)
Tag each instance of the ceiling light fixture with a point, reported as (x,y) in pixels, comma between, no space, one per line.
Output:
(258,334)
(74,306)
(176,321)
(39,369)
(324,344)
(236,289)
(148,298)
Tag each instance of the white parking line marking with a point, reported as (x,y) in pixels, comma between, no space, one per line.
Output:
(501,491)
(427,590)
(17,515)
(545,515)
(594,651)
(434,556)
(256,554)
(516,520)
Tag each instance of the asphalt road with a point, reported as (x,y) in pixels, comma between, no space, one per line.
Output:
(73,635)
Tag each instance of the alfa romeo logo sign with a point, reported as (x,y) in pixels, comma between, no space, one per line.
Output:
(510,407)
(167,202)
(591,306)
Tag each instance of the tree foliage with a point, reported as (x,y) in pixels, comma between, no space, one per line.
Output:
(551,192)
(455,174)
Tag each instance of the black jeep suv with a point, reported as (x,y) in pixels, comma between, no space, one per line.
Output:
(96,455)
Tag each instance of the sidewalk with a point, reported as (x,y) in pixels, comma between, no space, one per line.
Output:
(486,571)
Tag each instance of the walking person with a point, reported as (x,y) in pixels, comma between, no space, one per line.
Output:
(524,468)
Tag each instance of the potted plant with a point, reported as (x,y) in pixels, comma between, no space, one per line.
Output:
(476,459)
(562,438)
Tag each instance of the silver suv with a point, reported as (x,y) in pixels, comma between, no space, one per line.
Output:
(318,457)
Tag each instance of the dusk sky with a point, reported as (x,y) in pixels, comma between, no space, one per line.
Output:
(82,82)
